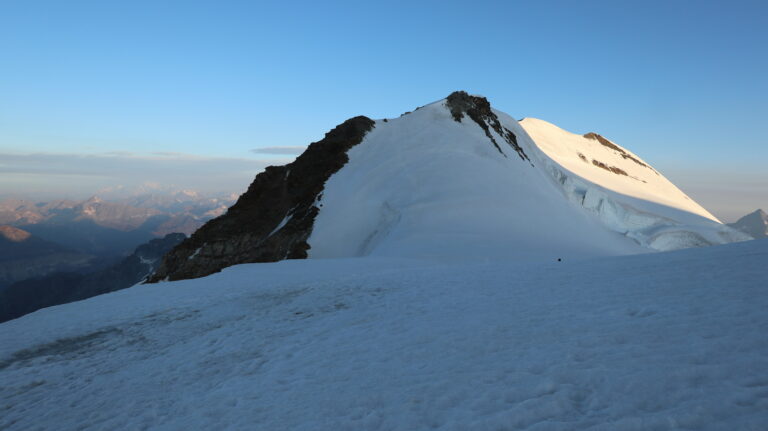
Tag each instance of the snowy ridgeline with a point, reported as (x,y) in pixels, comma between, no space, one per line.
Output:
(426,185)
(656,341)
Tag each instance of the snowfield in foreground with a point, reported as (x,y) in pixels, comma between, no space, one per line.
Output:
(659,341)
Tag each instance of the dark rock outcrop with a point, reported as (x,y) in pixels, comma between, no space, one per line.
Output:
(606,143)
(30,295)
(273,219)
(479,110)
(614,169)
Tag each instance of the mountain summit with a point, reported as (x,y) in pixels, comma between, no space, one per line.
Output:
(754,224)
(453,180)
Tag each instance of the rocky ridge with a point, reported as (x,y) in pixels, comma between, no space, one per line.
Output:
(272,220)
(479,110)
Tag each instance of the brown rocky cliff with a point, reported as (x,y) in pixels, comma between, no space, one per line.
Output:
(273,219)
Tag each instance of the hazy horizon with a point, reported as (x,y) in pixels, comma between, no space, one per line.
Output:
(180,172)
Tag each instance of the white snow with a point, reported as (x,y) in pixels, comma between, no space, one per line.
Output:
(424,185)
(282,223)
(146,261)
(197,251)
(642,182)
(660,341)
(642,205)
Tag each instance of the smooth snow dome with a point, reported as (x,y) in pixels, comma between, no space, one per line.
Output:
(660,341)
(424,185)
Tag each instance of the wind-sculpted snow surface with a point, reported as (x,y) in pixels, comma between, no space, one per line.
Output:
(661,341)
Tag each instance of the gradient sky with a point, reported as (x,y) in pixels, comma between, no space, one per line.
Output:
(101,93)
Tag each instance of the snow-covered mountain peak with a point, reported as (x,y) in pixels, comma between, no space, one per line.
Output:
(453,180)
(754,224)
(599,160)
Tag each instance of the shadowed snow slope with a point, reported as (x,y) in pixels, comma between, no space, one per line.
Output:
(660,341)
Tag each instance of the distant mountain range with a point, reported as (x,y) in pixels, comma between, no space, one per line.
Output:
(40,238)
(754,224)
(113,226)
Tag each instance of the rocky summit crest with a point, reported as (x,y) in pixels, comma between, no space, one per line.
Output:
(479,110)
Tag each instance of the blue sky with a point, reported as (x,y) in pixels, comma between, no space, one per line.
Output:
(134,85)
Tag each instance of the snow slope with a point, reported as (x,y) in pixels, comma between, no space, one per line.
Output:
(660,341)
(425,185)
(625,192)
(641,181)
